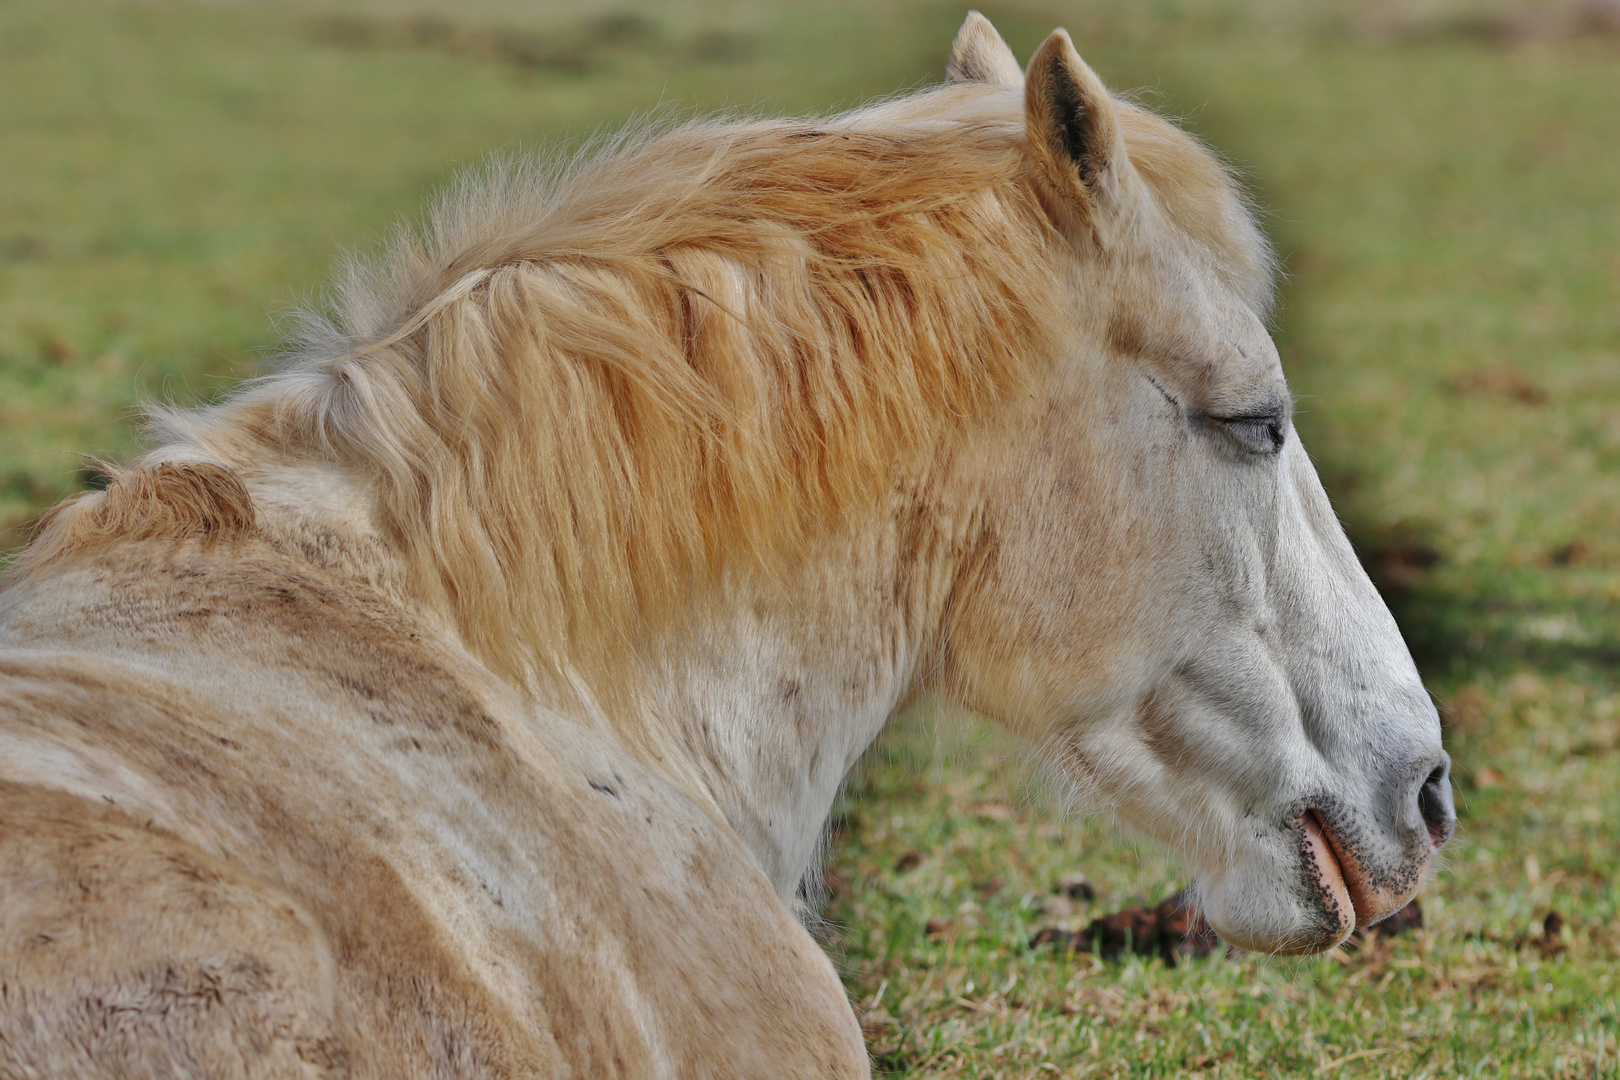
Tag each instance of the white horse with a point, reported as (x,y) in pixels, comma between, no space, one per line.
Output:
(466,697)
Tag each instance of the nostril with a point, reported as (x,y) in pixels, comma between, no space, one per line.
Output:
(1434,804)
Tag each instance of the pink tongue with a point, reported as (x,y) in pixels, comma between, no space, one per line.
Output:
(1328,870)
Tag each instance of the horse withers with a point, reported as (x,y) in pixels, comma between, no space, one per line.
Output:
(466,696)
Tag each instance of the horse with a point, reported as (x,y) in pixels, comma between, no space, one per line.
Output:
(466,695)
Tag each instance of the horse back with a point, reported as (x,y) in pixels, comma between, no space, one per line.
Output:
(126,952)
(255,821)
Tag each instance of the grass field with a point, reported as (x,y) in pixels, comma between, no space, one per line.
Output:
(1445,189)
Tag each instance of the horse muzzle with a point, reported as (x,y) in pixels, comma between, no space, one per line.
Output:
(1331,863)
(1360,876)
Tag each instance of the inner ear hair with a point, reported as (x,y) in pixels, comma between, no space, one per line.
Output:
(1074,121)
(1073,128)
(979,55)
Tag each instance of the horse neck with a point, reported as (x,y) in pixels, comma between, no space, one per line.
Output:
(767,707)
(761,709)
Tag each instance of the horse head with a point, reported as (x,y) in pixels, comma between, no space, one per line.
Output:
(1167,603)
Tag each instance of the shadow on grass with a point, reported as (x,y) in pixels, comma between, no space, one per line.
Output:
(1495,623)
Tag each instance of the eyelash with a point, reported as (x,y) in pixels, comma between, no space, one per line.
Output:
(1261,434)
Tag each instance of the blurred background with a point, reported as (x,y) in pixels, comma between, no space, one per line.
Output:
(1442,180)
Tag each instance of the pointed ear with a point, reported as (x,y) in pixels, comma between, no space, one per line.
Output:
(1074,137)
(978,55)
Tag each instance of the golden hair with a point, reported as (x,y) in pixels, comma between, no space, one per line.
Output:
(580,394)
(167,501)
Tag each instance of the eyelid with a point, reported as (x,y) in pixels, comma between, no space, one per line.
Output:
(1271,412)
(1271,415)
(1272,424)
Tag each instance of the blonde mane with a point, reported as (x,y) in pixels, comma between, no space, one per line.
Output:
(579,395)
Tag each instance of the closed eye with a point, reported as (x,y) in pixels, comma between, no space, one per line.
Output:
(1262,434)
(1261,431)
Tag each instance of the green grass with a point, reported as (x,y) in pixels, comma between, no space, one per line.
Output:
(1444,190)
(941,835)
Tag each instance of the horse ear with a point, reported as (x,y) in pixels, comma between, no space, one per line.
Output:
(1074,136)
(978,55)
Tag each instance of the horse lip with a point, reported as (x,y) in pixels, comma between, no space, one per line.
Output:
(1369,902)
(1329,863)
